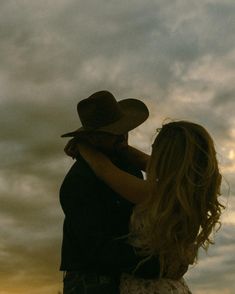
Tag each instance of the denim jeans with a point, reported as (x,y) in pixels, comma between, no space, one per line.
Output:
(77,283)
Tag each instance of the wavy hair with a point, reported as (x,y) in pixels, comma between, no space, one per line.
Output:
(182,208)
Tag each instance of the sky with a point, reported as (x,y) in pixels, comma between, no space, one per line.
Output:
(177,56)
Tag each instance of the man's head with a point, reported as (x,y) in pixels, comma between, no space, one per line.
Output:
(105,142)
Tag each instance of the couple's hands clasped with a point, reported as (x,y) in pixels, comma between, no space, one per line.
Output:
(71,148)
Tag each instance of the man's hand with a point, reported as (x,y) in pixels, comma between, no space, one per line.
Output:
(133,156)
(122,143)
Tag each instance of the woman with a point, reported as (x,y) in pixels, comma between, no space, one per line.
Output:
(177,206)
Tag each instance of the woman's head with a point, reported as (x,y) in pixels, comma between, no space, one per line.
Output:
(184,180)
(184,158)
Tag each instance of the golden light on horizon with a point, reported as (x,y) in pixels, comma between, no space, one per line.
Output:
(231,154)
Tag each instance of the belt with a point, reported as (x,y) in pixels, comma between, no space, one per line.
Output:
(89,278)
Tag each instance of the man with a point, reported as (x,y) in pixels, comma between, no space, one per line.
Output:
(93,255)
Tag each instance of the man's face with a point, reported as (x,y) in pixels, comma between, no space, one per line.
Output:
(108,143)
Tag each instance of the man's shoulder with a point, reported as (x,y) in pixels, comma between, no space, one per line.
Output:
(79,179)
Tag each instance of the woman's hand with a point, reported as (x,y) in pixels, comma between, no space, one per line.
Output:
(92,156)
(70,148)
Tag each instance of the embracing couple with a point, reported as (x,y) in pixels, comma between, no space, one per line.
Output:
(123,233)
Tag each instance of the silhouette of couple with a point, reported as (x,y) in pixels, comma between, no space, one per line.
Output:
(125,234)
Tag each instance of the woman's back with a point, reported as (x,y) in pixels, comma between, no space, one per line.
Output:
(182,209)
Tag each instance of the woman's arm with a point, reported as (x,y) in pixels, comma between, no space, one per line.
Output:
(126,185)
(128,153)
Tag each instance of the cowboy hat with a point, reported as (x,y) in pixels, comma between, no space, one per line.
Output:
(101,112)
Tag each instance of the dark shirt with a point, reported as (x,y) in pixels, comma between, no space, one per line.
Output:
(94,216)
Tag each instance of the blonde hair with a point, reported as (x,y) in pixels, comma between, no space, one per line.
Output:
(182,208)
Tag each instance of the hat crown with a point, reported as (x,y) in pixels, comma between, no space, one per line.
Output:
(101,112)
(98,110)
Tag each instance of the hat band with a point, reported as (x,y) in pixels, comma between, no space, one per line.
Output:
(96,122)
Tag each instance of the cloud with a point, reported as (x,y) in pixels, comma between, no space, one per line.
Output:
(214,272)
(73,42)
(30,224)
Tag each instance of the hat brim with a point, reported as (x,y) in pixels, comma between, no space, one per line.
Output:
(134,113)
